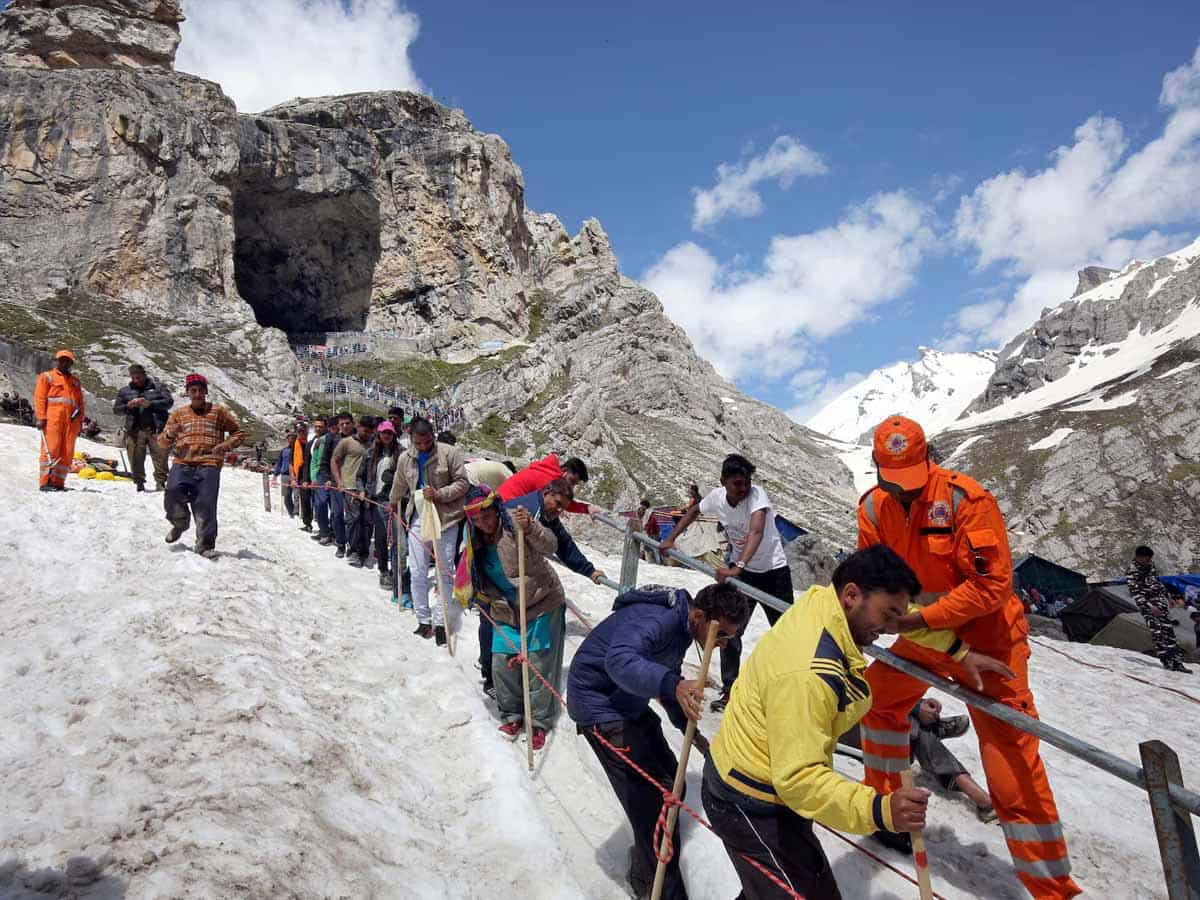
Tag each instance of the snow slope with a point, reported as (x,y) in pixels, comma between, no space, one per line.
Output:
(934,390)
(266,725)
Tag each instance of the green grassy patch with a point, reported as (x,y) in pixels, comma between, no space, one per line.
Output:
(427,378)
(538,301)
(490,434)
(1184,472)
(604,487)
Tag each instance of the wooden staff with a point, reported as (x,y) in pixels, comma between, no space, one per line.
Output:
(918,845)
(689,735)
(524,646)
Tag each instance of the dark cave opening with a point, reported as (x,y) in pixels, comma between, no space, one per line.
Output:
(306,262)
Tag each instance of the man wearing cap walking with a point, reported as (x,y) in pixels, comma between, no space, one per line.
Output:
(201,433)
(950,530)
(58,410)
(145,407)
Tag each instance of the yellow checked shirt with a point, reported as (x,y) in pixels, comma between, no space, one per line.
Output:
(801,689)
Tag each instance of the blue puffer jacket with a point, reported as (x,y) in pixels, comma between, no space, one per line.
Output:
(631,657)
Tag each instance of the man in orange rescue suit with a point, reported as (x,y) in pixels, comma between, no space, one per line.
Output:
(58,408)
(952,533)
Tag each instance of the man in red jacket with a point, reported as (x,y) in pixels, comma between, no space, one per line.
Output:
(540,473)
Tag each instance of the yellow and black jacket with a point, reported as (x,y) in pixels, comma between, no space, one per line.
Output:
(800,690)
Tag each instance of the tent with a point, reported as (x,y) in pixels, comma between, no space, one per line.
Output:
(1088,615)
(1049,578)
(1127,631)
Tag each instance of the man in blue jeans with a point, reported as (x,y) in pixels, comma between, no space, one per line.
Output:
(319,472)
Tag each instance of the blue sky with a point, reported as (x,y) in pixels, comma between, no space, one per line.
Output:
(894,174)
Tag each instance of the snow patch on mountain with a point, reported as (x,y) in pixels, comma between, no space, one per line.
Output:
(934,390)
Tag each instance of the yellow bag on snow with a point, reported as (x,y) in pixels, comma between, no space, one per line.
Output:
(87,472)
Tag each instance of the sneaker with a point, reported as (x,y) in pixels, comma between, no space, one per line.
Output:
(901,841)
(175,534)
(47,489)
(319,536)
(341,551)
(385,580)
(489,688)
(539,738)
(307,528)
(952,727)
(355,560)
(406,601)
(511,729)
(1180,667)
(439,635)
(208,553)
(986,814)
(720,703)
(425,630)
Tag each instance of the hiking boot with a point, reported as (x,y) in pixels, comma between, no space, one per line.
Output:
(720,703)
(901,841)
(424,630)
(439,635)
(952,727)
(511,729)
(341,551)
(538,740)
(175,533)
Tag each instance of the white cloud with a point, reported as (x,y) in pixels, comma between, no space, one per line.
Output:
(1096,203)
(809,286)
(268,51)
(734,193)
(813,390)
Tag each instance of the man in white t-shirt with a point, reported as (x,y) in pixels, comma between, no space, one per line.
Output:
(756,551)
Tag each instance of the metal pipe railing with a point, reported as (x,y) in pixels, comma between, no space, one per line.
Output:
(1101,759)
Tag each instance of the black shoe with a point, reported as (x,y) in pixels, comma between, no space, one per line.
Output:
(1180,667)
(318,536)
(720,703)
(439,635)
(46,489)
(141,487)
(489,688)
(424,630)
(952,727)
(385,580)
(901,841)
(306,528)
(175,534)
(341,551)
(356,561)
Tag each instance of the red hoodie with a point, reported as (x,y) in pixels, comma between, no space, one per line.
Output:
(536,476)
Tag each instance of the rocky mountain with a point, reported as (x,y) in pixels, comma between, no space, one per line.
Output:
(143,218)
(934,390)
(1089,430)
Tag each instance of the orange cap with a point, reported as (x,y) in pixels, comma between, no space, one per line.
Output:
(67,353)
(901,453)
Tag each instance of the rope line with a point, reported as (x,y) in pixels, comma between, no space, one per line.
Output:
(1130,676)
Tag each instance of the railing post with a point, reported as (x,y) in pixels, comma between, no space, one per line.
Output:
(1172,826)
(629,561)
(266,492)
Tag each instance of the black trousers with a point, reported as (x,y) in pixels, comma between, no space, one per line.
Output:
(306,503)
(192,493)
(641,801)
(771,835)
(777,583)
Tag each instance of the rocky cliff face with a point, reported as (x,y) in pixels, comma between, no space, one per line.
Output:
(1089,431)
(143,218)
(104,34)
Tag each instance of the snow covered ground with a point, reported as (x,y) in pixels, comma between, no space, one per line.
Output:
(266,725)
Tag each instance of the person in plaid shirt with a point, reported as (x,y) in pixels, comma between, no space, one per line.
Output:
(200,435)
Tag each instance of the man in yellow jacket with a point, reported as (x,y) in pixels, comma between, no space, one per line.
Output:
(770,772)
(58,408)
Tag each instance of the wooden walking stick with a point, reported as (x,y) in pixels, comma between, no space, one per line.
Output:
(918,845)
(689,735)
(524,646)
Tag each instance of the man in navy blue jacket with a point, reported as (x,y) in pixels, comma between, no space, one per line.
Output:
(632,657)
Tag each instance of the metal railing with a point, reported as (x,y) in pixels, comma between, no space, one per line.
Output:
(1171,804)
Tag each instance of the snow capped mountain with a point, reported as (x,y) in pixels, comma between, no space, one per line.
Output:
(934,390)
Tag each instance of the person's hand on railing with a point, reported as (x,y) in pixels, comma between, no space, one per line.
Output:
(977,663)
(598,576)
(668,544)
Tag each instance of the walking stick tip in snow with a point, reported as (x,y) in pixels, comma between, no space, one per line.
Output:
(524,646)
(689,735)
(918,846)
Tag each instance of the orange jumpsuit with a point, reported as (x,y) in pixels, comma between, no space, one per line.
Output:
(58,399)
(955,539)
